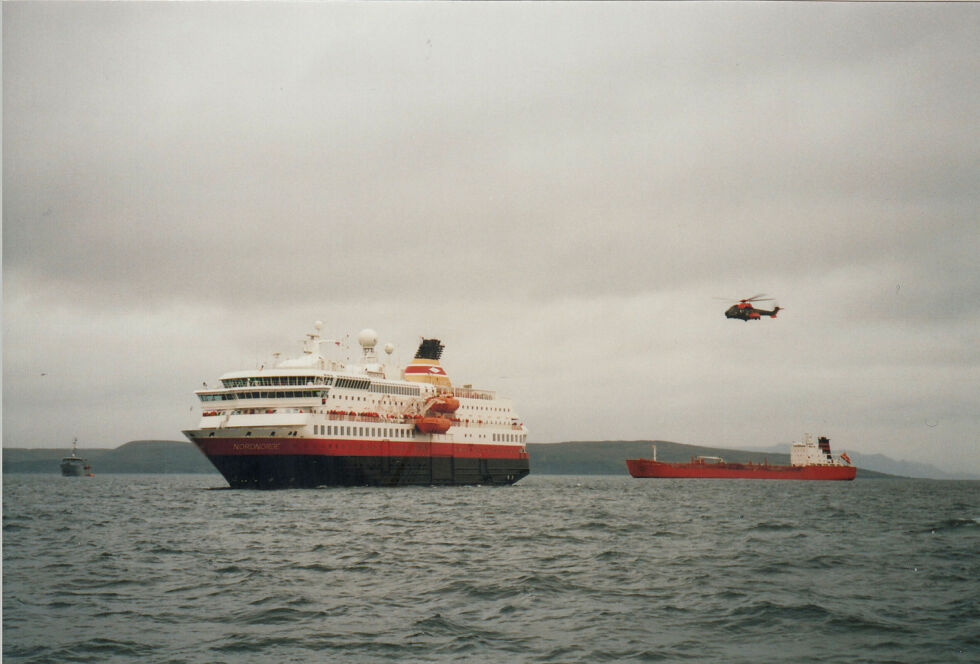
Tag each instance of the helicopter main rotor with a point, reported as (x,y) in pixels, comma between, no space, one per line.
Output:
(761,297)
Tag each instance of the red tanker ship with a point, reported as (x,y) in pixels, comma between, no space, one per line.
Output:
(808,461)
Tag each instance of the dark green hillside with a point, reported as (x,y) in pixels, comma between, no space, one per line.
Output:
(156,456)
(138,456)
(609,457)
(44,460)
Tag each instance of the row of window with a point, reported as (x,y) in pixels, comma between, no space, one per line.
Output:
(489,409)
(388,388)
(258,381)
(374,432)
(354,383)
(508,437)
(280,394)
(340,381)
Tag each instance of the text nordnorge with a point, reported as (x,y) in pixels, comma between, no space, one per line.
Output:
(256,446)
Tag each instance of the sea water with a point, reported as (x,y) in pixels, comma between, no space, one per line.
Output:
(159,568)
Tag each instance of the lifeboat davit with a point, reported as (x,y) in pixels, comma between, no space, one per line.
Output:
(444,404)
(433,424)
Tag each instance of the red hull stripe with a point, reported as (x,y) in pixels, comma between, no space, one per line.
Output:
(342,447)
(648,468)
(424,369)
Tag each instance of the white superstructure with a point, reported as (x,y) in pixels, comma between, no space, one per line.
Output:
(808,453)
(313,396)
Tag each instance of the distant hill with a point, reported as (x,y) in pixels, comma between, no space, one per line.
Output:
(572,458)
(138,456)
(885,464)
(156,456)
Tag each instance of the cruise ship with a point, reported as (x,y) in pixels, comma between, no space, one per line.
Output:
(312,421)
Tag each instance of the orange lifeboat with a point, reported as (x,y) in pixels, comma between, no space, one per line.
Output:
(444,404)
(432,424)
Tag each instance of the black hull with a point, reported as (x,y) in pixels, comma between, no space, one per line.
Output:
(309,471)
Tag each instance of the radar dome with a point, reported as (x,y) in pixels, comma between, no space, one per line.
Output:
(389,348)
(368,338)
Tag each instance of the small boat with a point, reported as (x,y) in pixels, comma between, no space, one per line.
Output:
(808,461)
(74,465)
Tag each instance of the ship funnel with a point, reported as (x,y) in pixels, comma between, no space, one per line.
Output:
(425,367)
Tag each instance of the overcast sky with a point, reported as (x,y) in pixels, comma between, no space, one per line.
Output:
(557,191)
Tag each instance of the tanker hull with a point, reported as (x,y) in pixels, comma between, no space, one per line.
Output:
(650,468)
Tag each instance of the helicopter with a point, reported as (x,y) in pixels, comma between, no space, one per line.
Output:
(745,311)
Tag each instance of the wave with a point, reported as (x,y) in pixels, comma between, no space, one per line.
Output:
(774,526)
(453,636)
(249,643)
(767,613)
(97,649)
(952,524)
(276,615)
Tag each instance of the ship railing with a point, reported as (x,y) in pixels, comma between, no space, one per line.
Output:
(351,416)
(470,393)
(343,416)
(481,423)
(262,411)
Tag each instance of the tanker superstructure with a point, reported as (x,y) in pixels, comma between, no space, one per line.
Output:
(311,421)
